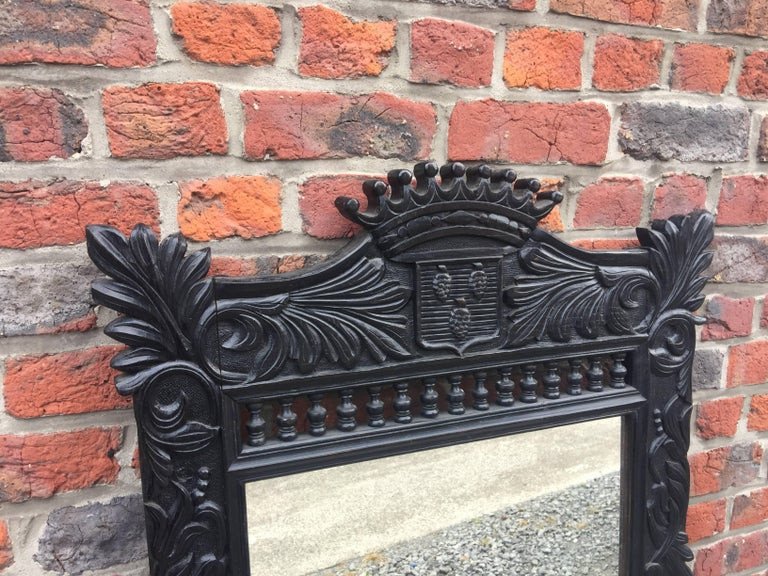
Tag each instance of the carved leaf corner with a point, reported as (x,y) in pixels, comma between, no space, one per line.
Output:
(159,290)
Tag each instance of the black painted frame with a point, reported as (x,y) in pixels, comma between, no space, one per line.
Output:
(391,346)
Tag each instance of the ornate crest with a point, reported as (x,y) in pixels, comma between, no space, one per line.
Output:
(458,302)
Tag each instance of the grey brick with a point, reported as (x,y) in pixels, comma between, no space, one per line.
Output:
(707,369)
(739,259)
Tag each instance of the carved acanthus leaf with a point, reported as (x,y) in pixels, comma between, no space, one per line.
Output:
(338,319)
(160,292)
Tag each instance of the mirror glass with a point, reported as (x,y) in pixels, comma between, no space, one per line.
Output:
(539,503)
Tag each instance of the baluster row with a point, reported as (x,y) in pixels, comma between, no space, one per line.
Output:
(550,382)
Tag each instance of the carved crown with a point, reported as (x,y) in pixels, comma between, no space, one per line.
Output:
(475,200)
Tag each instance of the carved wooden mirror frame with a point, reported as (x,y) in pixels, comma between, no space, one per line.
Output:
(452,313)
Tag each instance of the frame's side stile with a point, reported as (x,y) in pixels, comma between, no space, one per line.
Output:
(546,293)
(679,260)
(162,294)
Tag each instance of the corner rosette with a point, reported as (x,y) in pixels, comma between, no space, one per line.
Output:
(159,291)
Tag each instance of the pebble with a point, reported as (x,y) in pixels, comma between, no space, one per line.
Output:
(574,532)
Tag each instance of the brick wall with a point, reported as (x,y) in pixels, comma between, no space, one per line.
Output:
(237,124)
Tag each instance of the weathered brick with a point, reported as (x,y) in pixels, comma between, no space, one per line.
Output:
(39,123)
(245,206)
(41,465)
(745,552)
(625,64)
(65,383)
(227,33)
(748,364)
(605,243)
(710,560)
(158,121)
(707,369)
(762,145)
(672,131)
(750,509)
(728,318)
(679,194)
(95,536)
(320,217)
(117,33)
(682,14)
(293,125)
(511,4)
(543,58)
(42,297)
(721,468)
(705,519)
(291,263)
(743,201)
(38,213)
(719,417)
(753,79)
(757,419)
(233,266)
(553,222)
(449,52)
(701,68)
(748,17)
(739,259)
(6,547)
(610,203)
(764,315)
(531,133)
(334,46)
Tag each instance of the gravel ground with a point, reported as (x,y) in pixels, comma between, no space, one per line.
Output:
(570,533)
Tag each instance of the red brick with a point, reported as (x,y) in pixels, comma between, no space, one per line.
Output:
(320,217)
(529,133)
(552,222)
(745,552)
(6,548)
(39,123)
(82,324)
(753,80)
(747,17)
(764,316)
(231,266)
(291,263)
(701,68)
(334,46)
(743,201)
(719,418)
(721,468)
(625,64)
(610,203)
(245,206)
(682,14)
(528,5)
(451,52)
(66,383)
(117,33)
(705,519)
(728,318)
(710,560)
(757,419)
(543,58)
(227,33)
(750,509)
(136,462)
(293,125)
(748,363)
(679,194)
(35,213)
(158,121)
(41,465)
(606,243)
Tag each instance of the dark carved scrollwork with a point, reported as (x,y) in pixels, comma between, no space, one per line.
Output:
(565,293)
(679,259)
(160,292)
(339,319)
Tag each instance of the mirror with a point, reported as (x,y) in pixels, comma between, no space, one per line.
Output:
(539,503)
